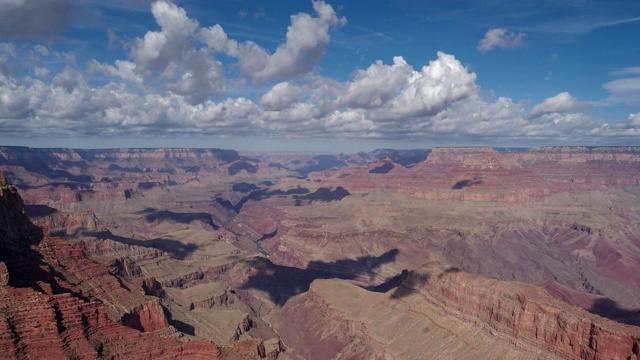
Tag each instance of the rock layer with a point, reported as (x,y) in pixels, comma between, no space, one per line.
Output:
(524,313)
(438,311)
(43,315)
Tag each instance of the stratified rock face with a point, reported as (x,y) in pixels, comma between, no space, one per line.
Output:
(146,317)
(42,315)
(472,158)
(34,155)
(17,237)
(59,222)
(92,280)
(440,312)
(524,313)
(216,300)
(38,326)
(343,321)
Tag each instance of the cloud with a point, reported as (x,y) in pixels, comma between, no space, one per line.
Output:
(123,69)
(400,93)
(170,55)
(158,49)
(438,102)
(14,102)
(171,84)
(238,116)
(8,49)
(353,123)
(217,39)
(281,96)
(630,71)
(376,85)
(381,101)
(394,102)
(476,117)
(623,91)
(631,123)
(500,37)
(556,104)
(259,13)
(34,19)
(306,37)
(431,90)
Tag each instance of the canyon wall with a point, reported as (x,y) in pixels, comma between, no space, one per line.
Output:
(52,301)
(524,314)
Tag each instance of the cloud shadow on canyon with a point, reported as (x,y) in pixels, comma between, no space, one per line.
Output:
(152,215)
(611,310)
(390,283)
(174,248)
(407,281)
(466,183)
(284,282)
(39,210)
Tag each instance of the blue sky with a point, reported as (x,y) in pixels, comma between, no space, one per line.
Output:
(319,75)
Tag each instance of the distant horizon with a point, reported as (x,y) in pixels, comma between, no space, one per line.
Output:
(497,148)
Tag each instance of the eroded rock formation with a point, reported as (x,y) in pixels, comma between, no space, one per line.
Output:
(46,314)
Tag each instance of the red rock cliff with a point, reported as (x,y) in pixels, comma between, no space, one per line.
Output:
(526,314)
(44,315)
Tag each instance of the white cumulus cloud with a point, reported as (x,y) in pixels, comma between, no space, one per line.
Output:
(216,38)
(376,85)
(562,102)
(281,96)
(430,90)
(171,55)
(305,44)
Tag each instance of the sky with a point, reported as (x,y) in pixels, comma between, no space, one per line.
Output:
(335,76)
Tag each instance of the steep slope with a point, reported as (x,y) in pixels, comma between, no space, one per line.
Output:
(440,312)
(525,314)
(44,316)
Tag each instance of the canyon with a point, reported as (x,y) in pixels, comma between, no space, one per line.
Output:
(391,254)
